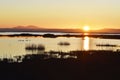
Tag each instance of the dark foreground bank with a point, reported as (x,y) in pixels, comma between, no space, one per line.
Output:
(89,65)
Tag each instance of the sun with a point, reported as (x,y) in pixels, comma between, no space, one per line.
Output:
(86,28)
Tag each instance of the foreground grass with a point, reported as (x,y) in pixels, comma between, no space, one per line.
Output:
(89,65)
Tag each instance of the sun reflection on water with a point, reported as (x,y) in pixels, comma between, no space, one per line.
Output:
(86,43)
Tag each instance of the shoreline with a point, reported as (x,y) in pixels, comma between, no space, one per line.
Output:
(107,36)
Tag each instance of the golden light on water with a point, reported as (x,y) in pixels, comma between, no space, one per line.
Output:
(86,43)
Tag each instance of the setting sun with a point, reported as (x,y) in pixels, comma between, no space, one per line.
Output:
(86,28)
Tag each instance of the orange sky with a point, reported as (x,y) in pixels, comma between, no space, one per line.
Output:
(60,13)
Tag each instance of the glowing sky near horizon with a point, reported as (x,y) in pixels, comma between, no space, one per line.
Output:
(60,13)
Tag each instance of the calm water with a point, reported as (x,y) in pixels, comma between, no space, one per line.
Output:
(14,46)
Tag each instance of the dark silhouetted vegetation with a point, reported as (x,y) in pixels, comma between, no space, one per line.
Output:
(35,47)
(87,65)
(107,45)
(64,43)
(107,36)
(49,35)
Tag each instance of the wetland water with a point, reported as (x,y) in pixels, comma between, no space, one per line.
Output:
(16,46)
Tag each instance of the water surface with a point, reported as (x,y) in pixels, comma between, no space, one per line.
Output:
(14,46)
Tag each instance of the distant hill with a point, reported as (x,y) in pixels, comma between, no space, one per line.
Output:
(107,31)
(26,27)
(32,28)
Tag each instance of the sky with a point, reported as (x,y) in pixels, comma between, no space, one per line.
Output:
(60,13)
